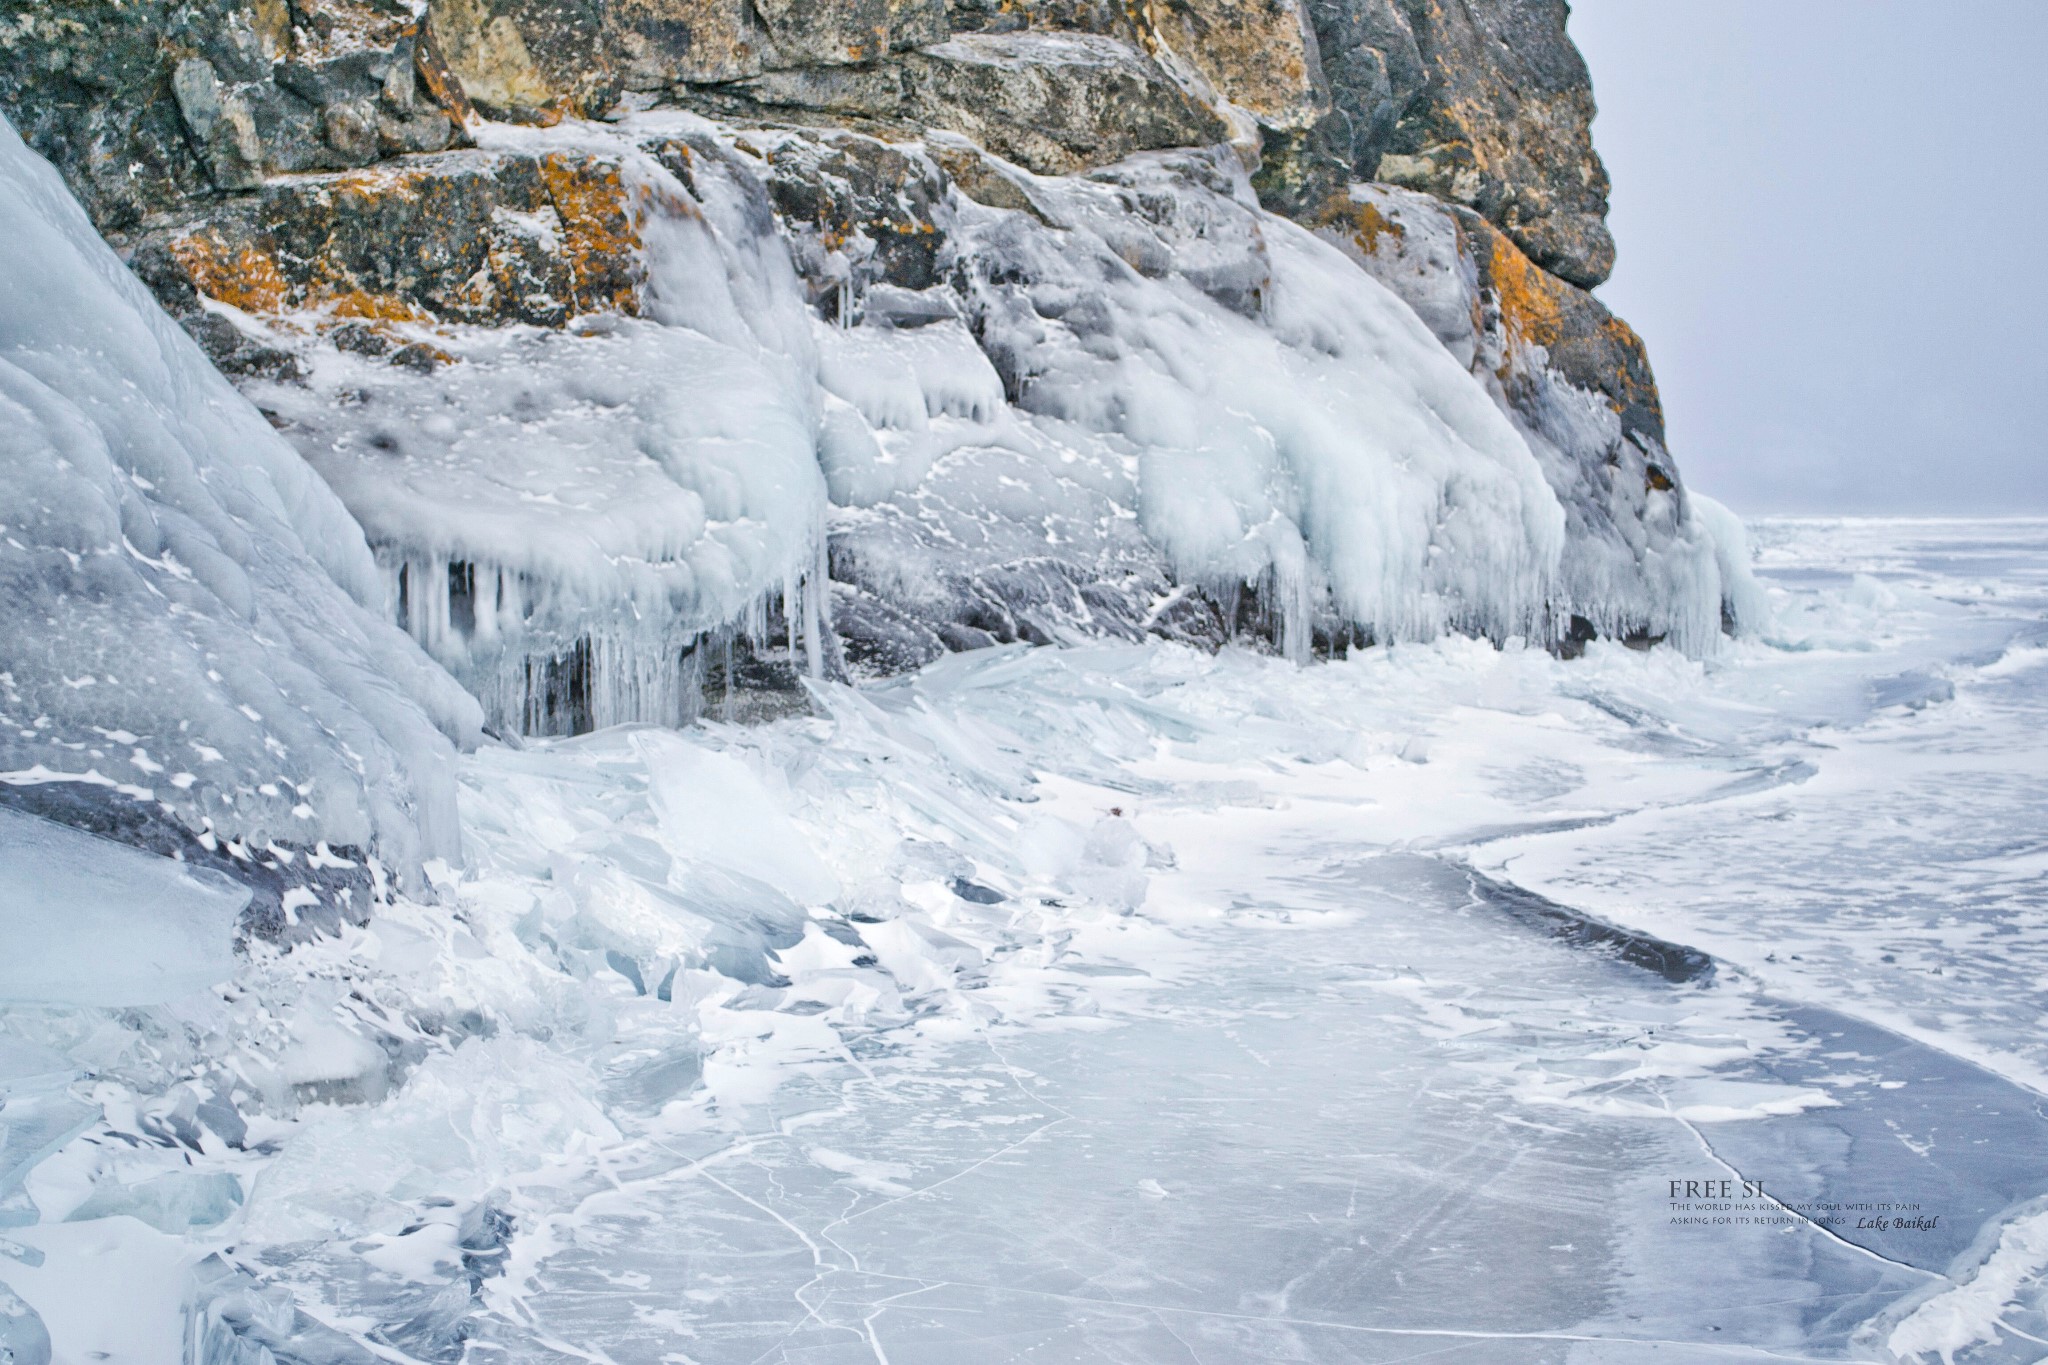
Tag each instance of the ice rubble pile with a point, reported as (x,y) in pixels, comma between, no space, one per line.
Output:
(195,624)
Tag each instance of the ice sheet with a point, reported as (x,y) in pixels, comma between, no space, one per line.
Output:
(1128,1003)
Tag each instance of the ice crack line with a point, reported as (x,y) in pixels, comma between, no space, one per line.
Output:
(967,1170)
(1718,1160)
(1448,1333)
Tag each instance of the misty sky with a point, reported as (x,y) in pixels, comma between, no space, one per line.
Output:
(1830,216)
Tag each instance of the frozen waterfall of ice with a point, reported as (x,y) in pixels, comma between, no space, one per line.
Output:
(194,621)
(1145,384)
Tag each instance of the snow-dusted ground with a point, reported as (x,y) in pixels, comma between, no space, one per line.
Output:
(1131,1004)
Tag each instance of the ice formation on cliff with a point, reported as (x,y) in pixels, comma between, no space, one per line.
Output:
(1132,402)
(195,622)
(1136,385)
(564,516)
(1281,421)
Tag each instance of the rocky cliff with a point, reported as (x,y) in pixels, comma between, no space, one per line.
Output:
(1482,103)
(674,348)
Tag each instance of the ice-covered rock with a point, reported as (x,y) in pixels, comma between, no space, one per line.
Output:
(1575,380)
(1044,408)
(1018,354)
(565,517)
(193,616)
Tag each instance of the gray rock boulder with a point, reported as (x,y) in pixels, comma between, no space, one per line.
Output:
(1055,102)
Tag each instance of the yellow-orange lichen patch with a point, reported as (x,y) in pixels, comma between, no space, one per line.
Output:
(374,183)
(1531,301)
(241,275)
(600,231)
(1363,221)
(344,300)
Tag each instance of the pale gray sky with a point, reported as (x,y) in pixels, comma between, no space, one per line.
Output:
(1833,234)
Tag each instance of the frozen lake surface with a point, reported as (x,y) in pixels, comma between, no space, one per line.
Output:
(1131,1005)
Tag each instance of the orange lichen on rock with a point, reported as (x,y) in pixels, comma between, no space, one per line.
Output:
(1531,300)
(1363,221)
(600,232)
(376,182)
(473,238)
(241,276)
(341,300)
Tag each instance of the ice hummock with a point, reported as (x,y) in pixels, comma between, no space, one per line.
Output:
(193,619)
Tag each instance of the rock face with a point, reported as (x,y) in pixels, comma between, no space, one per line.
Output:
(144,106)
(961,193)
(1483,103)
(465,236)
(1503,125)
(1055,102)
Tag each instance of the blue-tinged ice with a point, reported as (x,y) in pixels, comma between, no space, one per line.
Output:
(91,922)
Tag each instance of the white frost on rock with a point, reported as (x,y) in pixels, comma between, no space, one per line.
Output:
(191,615)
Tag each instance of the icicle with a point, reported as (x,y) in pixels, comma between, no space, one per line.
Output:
(726,709)
(818,610)
(792,599)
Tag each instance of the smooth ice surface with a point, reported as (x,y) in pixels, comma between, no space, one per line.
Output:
(192,617)
(1133,1004)
(90,922)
